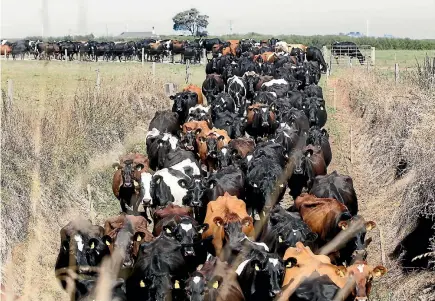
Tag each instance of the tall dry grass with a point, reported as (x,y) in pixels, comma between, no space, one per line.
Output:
(394,125)
(53,150)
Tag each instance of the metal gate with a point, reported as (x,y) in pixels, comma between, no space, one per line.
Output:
(349,56)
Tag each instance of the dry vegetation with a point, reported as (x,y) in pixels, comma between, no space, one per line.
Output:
(393,126)
(55,143)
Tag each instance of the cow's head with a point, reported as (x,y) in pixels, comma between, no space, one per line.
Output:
(268,272)
(363,274)
(299,158)
(97,249)
(165,144)
(199,289)
(188,140)
(231,123)
(181,100)
(234,230)
(145,189)
(160,192)
(314,109)
(261,116)
(187,233)
(316,135)
(195,196)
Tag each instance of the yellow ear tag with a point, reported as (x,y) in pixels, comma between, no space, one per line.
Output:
(280,239)
(215,284)
(92,245)
(289,264)
(177,284)
(141,283)
(168,231)
(135,183)
(139,238)
(257,268)
(107,242)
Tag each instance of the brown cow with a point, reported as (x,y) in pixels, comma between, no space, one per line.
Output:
(217,48)
(197,90)
(261,120)
(171,209)
(305,263)
(201,126)
(242,145)
(301,46)
(267,57)
(209,144)
(140,233)
(5,50)
(262,80)
(225,210)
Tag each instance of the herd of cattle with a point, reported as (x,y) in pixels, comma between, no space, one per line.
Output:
(203,213)
(157,50)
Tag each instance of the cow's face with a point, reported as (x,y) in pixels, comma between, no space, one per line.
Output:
(187,234)
(315,136)
(145,189)
(314,109)
(299,158)
(363,275)
(195,196)
(188,140)
(269,273)
(212,147)
(235,234)
(97,249)
(164,145)
(160,192)
(224,157)
(127,174)
(357,243)
(181,100)
(251,81)
(158,286)
(196,287)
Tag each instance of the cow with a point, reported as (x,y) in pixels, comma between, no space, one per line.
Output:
(5,50)
(316,287)
(261,120)
(313,91)
(188,233)
(232,123)
(279,86)
(165,122)
(125,181)
(223,102)
(177,47)
(158,146)
(156,51)
(183,101)
(209,145)
(315,110)
(195,89)
(82,245)
(225,210)
(138,234)
(236,87)
(260,275)
(215,281)
(191,130)
(304,263)
(314,54)
(288,136)
(158,272)
(235,153)
(212,86)
(327,217)
(209,43)
(347,49)
(296,118)
(192,54)
(308,163)
(284,229)
(320,137)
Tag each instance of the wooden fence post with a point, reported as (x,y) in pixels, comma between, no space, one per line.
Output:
(6,57)
(154,69)
(396,73)
(204,56)
(143,56)
(10,93)
(66,55)
(351,146)
(97,84)
(373,55)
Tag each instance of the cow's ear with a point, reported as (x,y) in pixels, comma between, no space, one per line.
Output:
(343,225)
(212,184)
(309,152)
(341,271)
(157,179)
(139,166)
(107,240)
(255,263)
(218,221)
(182,183)
(202,228)
(290,262)
(93,243)
(172,97)
(247,221)
(167,229)
(198,131)
(324,132)
(116,166)
(138,236)
(215,282)
(379,271)
(370,225)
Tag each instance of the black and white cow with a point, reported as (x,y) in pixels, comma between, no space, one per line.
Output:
(279,86)
(183,101)
(158,146)
(237,89)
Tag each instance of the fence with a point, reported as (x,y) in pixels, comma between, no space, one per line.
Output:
(349,56)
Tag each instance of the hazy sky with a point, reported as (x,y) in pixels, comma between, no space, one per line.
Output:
(414,19)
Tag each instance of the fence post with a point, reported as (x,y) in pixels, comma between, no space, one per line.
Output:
(91,205)
(350,62)
(10,93)
(373,55)
(396,72)
(97,85)
(143,56)
(187,71)
(154,69)
(330,63)
(5,54)
(66,55)
(204,56)
(351,146)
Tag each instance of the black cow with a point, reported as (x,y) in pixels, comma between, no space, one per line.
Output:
(279,86)
(316,287)
(188,233)
(208,43)
(320,137)
(165,122)
(86,290)
(336,186)
(223,102)
(251,79)
(81,244)
(212,86)
(228,179)
(192,54)
(183,101)
(297,118)
(298,53)
(158,146)
(289,137)
(315,110)
(261,120)
(314,54)
(230,122)
(313,91)
(284,229)
(347,49)
(158,271)
(261,275)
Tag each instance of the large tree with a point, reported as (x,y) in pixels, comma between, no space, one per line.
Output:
(190,20)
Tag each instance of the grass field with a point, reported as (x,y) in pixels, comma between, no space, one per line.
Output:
(62,136)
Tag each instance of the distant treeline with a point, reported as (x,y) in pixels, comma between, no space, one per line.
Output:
(318,41)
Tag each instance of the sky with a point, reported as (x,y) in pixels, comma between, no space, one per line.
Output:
(400,18)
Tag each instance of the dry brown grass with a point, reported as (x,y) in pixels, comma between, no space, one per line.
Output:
(392,123)
(53,145)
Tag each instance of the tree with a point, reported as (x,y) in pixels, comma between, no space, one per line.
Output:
(190,20)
